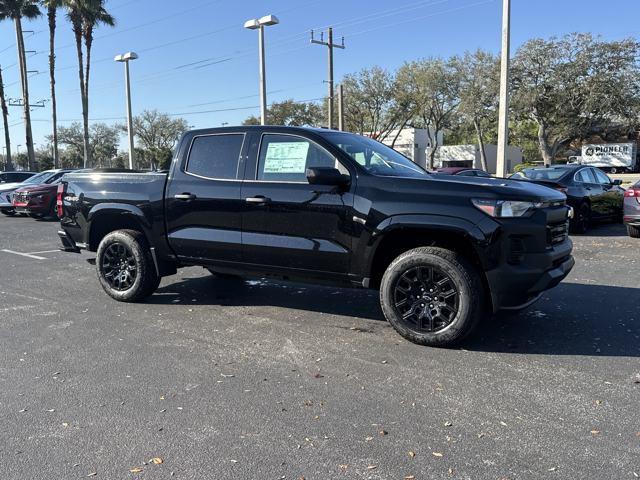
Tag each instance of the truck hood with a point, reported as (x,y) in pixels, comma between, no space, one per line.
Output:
(495,188)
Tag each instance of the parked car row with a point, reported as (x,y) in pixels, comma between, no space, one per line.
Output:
(34,196)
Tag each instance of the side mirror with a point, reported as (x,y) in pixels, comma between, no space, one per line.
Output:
(327,176)
(617,182)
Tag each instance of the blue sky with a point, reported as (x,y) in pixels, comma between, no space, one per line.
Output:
(171,37)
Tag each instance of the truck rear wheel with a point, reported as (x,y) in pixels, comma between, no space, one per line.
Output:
(432,296)
(125,266)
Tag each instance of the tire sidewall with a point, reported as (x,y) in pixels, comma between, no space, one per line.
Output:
(137,290)
(469,304)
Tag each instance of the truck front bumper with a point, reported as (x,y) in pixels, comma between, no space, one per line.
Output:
(514,287)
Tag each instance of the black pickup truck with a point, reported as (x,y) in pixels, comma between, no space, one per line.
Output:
(330,207)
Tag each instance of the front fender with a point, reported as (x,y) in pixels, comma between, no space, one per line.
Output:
(455,225)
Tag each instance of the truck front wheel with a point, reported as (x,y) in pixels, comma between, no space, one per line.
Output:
(432,296)
(125,266)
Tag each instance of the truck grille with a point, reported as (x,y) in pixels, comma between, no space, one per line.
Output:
(557,232)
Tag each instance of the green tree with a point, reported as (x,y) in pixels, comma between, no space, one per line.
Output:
(103,141)
(479,82)
(292,113)
(85,16)
(52,10)
(157,134)
(575,86)
(434,88)
(376,103)
(16,10)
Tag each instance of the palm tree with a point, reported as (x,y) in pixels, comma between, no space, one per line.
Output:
(8,164)
(85,16)
(16,10)
(52,8)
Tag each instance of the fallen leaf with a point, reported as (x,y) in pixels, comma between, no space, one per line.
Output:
(552,469)
(65,424)
(409,477)
(450,471)
(318,375)
(156,460)
(447,424)
(382,433)
(595,432)
(368,439)
(344,466)
(372,467)
(598,402)
(135,470)
(412,454)
(92,474)
(503,424)
(436,454)
(227,376)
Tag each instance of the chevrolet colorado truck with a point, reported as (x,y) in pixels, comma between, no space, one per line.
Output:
(328,207)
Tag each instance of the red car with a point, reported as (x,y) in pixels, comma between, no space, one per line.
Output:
(464,171)
(38,201)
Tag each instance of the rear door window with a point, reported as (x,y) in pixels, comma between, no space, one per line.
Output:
(215,156)
(585,176)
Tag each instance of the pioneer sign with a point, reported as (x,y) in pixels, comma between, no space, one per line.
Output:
(614,156)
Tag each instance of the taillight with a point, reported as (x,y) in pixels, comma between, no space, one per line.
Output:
(633,192)
(59,205)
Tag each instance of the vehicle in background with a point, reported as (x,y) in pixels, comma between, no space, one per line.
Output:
(15,177)
(463,171)
(328,207)
(7,189)
(38,200)
(611,157)
(591,193)
(632,210)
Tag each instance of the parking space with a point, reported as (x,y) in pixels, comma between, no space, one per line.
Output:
(256,379)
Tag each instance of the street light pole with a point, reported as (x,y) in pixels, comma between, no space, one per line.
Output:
(503,111)
(259,24)
(125,58)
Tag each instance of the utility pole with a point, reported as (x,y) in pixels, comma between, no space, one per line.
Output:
(503,111)
(340,108)
(22,62)
(5,119)
(330,45)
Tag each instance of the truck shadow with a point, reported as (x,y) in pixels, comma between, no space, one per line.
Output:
(605,229)
(572,319)
(224,291)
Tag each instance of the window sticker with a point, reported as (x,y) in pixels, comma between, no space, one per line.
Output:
(286,157)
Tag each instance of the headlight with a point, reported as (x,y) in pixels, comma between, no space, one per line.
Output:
(506,208)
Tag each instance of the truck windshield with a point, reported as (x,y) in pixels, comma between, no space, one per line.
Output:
(375,157)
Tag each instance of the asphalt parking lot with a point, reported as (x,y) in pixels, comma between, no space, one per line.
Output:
(231,379)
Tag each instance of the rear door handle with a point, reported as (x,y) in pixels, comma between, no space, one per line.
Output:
(184,196)
(257,200)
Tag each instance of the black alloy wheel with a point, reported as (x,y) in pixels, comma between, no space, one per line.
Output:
(426,299)
(119,266)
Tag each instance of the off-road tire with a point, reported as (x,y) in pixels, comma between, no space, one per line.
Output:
(464,276)
(146,279)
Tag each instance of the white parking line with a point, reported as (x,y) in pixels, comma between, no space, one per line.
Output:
(28,255)
(45,251)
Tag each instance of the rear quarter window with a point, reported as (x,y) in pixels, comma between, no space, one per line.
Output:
(215,156)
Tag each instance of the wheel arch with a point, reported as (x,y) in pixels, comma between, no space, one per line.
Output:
(396,237)
(107,218)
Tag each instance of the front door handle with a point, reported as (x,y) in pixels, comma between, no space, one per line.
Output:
(257,200)
(184,196)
